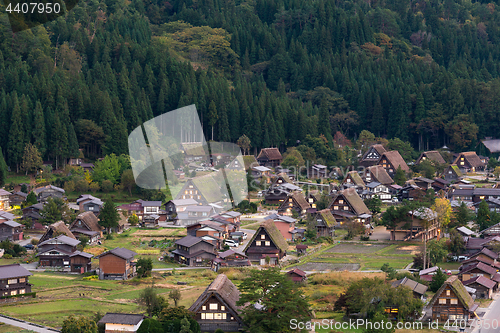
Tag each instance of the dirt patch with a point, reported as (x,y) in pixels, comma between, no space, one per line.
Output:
(323,266)
(357,248)
(410,249)
(166,285)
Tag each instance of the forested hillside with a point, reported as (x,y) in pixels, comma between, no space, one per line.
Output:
(423,71)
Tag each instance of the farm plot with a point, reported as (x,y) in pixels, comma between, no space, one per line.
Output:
(357,248)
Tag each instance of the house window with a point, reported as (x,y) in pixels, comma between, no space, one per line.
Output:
(310,200)
(348,180)
(335,207)
(22,291)
(341,201)
(22,280)
(442,301)
(268,243)
(262,236)
(91,207)
(481,197)
(222,308)
(12,281)
(454,301)
(346,208)
(209,316)
(257,243)
(13,292)
(447,293)
(462,163)
(290,200)
(213,306)
(204,307)
(190,186)
(199,197)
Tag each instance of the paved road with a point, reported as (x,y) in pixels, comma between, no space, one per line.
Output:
(26,325)
(491,318)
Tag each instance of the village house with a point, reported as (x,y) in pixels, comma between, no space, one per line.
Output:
(325,223)
(423,183)
(121,322)
(4,199)
(297,275)
(379,190)
(461,194)
(484,286)
(347,205)
(60,252)
(452,173)
(267,245)
(230,258)
(428,273)
(313,197)
(410,192)
(482,193)
(89,203)
(418,289)
(56,229)
(372,155)
(493,205)
(204,190)
(295,202)
(440,184)
(354,179)
(269,157)
(261,171)
(433,156)
(194,251)
(415,229)
(117,264)
(6,216)
(193,214)
(301,249)
(11,230)
(174,207)
(469,162)
(86,224)
(215,233)
(476,269)
(17,198)
(14,280)
(49,191)
(216,307)
(465,233)
(317,171)
(150,221)
(195,152)
(474,245)
(494,230)
(452,302)
(391,161)
(377,173)
(231,216)
(285,225)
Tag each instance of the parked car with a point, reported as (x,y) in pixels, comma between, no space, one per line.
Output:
(259,194)
(29,246)
(460,258)
(239,234)
(448,272)
(231,243)
(199,169)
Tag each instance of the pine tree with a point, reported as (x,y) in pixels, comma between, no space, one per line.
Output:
(16,135)
(212,116)
(108,218)
(38,135)
(3,169)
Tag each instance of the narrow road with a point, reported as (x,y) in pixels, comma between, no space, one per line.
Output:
(491,319)
(26,325)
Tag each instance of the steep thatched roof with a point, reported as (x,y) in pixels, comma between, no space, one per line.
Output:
(56,229)
(327,217)
(471,157)
(352,197)
(458,288)
(89,219)
(432,155)
(273,232)
(301,201)
(395,158)
(224,290)
(356,178)
(209,186)
(380,175)
(271,154)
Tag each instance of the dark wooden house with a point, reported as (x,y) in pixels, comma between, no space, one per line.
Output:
(89,203)
(32,212)
(297,275)
(216,307)
(482,193)
(86,223)
(14,280)
(194,251)
(484,286)
(347,205)
(121,322)
(372,155)
(295,202)
(353,178)
(469,162)
(452,302)
(325,223)
(61,253)
(230,258)
(11,230)
(391,161)
(452,173)
(269,157)
(49,191)
(117,264)
(267,242)
(476,269)
(17,198)
(174,207)
(204,190)
(377,173)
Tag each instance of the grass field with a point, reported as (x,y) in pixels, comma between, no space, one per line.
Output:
(59,295)
(4,328)
(367,255)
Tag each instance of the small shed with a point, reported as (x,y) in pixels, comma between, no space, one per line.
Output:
(297,275)
(301,248)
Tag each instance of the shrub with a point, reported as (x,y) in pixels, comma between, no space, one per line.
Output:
(7,256)
(107,186)
(34,241)
(91,278)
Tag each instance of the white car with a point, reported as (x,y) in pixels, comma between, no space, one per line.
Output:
(199,169)
(231,243)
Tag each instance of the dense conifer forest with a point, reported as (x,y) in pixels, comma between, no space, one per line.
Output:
(426,72)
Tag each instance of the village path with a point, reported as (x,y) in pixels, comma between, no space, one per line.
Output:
(491,318)
(26,325)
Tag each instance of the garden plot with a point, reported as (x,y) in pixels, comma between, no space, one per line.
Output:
(409,249)
(323,266)
(357,248)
